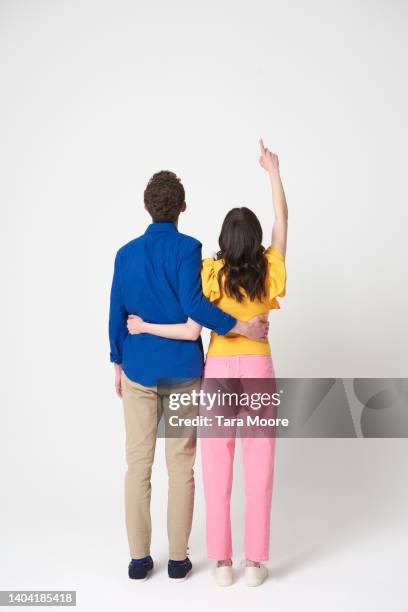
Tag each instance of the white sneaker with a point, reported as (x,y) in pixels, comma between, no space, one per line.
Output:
(223,575)
(255,574)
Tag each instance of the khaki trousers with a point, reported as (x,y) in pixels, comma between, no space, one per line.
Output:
(143,408)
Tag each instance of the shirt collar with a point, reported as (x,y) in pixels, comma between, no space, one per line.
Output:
(161,226)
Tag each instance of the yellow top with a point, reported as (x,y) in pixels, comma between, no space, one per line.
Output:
(221,346)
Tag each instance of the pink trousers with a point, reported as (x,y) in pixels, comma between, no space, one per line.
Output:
(258,463)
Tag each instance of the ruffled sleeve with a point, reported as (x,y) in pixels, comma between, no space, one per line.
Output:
(209,280)
(276,280)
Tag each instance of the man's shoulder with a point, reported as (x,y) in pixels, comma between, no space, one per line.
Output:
(188,243)
(129,247)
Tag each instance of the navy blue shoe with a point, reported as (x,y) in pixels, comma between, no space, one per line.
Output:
(139,569)
(179,570)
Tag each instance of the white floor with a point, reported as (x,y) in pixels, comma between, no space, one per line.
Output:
(339,538)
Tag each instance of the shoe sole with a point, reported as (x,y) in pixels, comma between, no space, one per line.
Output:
(180,579)
(255,583)
(141,579)
(224,584)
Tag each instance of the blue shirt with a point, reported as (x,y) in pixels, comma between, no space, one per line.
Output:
(157,276)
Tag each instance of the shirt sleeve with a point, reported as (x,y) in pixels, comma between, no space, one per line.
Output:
(209,280)
(276,279)
(192,300)
(117,316)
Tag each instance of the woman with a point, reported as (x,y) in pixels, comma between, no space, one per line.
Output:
(244,281)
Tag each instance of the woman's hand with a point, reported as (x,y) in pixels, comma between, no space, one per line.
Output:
(268,160)
(135,324)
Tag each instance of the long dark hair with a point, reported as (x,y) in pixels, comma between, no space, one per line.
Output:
(243,254)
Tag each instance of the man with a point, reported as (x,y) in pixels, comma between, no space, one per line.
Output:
(157,276)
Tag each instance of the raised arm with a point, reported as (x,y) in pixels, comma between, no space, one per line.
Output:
(176,331)
(270,162)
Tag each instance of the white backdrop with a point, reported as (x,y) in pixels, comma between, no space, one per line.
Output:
(98,95)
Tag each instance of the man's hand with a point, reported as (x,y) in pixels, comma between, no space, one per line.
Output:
(258,328)
(134,324)
(255,329)
(118,379)
(268,160)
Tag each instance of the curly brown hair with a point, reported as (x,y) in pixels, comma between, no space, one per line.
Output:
(164,196)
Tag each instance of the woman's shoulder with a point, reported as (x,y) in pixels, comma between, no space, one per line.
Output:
(276,277)
(273,254)
(212,263)
(209,277)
